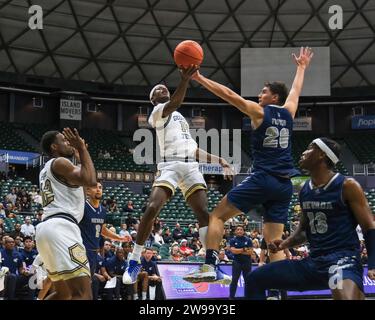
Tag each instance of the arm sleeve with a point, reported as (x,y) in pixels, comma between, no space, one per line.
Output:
(156,118)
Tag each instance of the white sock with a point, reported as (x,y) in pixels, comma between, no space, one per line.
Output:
(144,295)
(137,251)
(135,296)
(152,292)
(202,236)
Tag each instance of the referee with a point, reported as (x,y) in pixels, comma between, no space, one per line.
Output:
(242,248)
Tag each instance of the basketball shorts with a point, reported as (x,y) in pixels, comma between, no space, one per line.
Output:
(274,193)
(60,246)
(318,273)
(185,175)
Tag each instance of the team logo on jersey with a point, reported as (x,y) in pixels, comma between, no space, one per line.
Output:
(78,254)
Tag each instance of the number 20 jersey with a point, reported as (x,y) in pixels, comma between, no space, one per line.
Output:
(330,223)
(271,142)
(58,197)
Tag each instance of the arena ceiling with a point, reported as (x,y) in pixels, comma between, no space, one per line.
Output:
(131,42)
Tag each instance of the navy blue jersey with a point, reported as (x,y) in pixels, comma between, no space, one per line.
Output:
(331,223)
(271,142)
(240,243)
(11,259)
(28,256)
(115,266)
(149,266)
(91,225)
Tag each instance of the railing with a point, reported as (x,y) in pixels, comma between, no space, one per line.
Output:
(364,169)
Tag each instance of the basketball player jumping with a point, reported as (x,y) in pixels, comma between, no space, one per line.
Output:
(332,207)
(58,237)
(269,183)
(178,167)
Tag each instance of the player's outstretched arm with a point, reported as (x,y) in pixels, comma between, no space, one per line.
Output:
(84,175)
(205,157)
(302,61)
(179,95)
(250,108)
(108,234)
(298,237)
(353,195)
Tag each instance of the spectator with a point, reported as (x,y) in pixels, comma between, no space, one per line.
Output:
(28,253)
(222,256)
(25,205)
(2,211)
(39,216)
(256,247)
(150,268)
(167,237)
(227,234)
(12,196)
(32,193)
(124,231)
(115,267)
(130,221)
(17,232)
(157,224)
(184,249)
(27,228)
(195,245)
(18,241)
(133,234)
(12,174)
(158,238)
(364,257)
(129,207)
(37,198)
(175,253)
(107,155)
(100,154)
(11,259)
(189,232)
(107,253)
(113,207)
(177,232)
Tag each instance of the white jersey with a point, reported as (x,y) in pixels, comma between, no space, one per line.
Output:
(58,197)
(175,141)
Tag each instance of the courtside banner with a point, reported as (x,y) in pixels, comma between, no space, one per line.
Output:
(302,124)
(71,109)
(363,122)
(176,288)
(19,157)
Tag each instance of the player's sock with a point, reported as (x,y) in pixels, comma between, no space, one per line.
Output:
(212,257)
(152,291)
(202,236)
(144,295)
(135,296)
(137,251)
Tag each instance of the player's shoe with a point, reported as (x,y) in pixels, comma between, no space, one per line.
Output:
(222,277)
(131,273)
(3,271)
(207,273)
(274,294)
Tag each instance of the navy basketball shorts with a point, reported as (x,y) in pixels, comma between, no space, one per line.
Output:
(274,193)
(318,273)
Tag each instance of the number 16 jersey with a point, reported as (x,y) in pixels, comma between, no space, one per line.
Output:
(331,224)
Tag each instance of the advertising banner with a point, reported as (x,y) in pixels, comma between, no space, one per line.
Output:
(302,124)
(71,109)
(176,288)
(363,122)
(19,157)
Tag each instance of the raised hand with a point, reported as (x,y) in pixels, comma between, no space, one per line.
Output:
(187,73)
(74,138)
(304,58)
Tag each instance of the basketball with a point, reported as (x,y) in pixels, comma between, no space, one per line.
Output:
(188,52)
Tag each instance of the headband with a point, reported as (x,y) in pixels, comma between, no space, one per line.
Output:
(330,154)
(152,91)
